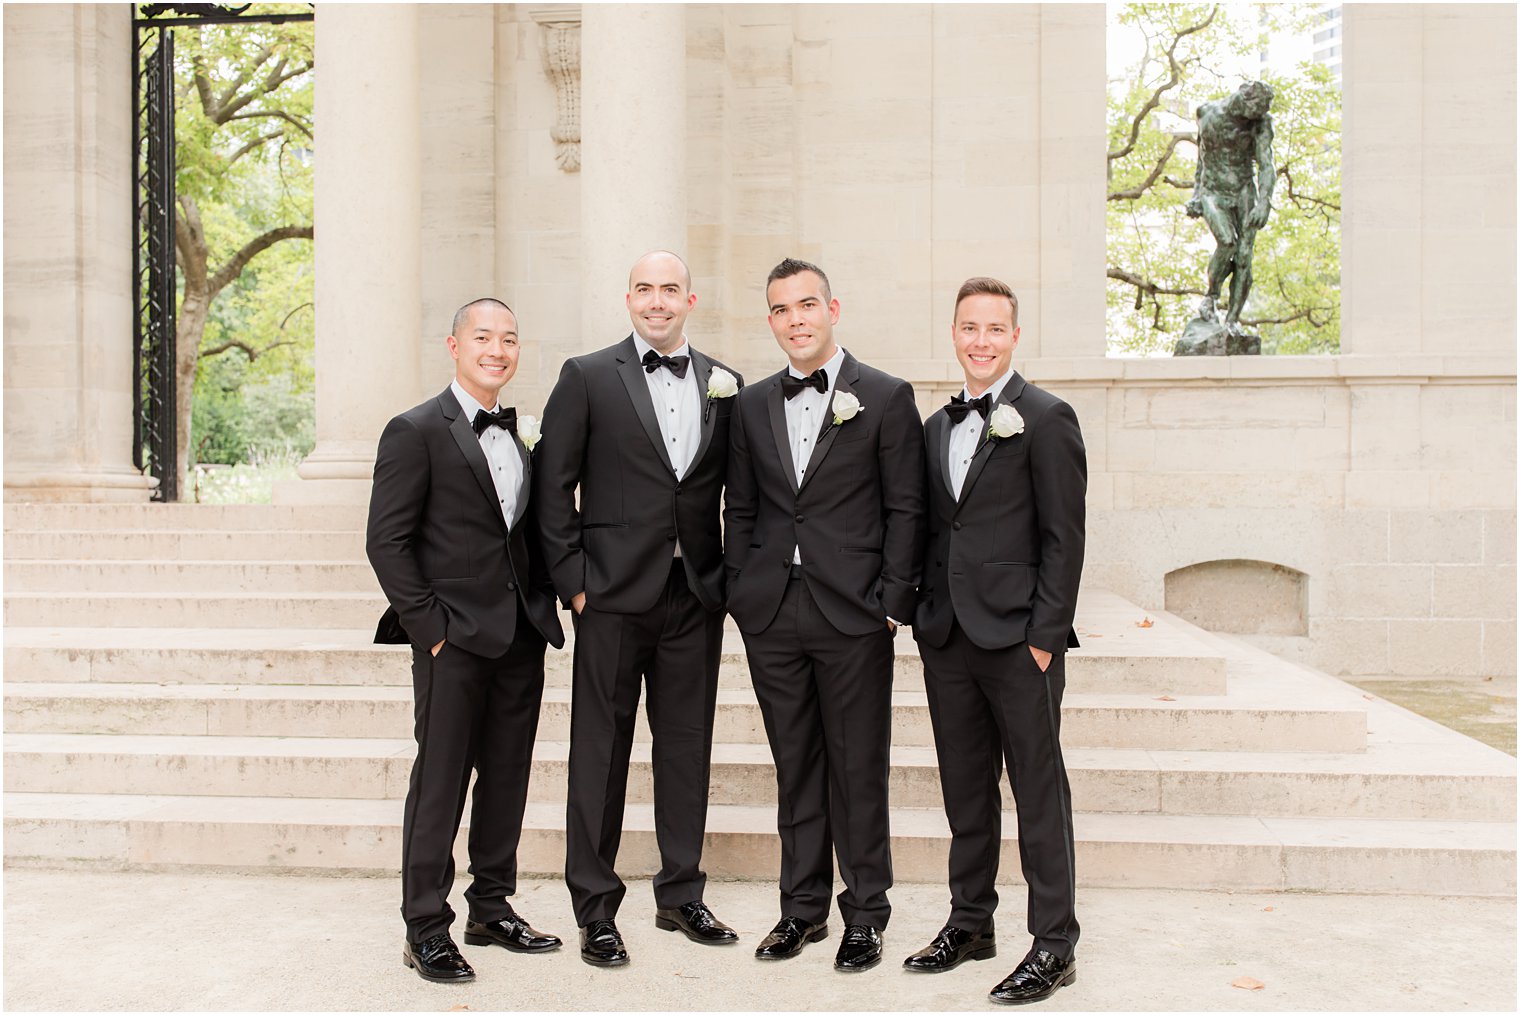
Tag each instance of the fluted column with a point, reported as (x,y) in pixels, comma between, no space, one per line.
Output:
(68,255)
(633,152)
(368,217)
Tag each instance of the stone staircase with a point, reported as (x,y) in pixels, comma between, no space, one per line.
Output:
(194,686)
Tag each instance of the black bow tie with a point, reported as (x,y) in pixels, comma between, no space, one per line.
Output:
(959,407)
(675,364)
(818,380)
(505,417)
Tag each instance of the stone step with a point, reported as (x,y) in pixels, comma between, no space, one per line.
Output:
(1372,785)
(263,710)
(350,610)
(189,544)
(1113,850)
(302,655)
(189,577)
(177,517)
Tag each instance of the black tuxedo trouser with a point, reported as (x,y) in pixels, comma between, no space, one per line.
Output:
(471,712)
(988,705)
(826,698)
(673,650)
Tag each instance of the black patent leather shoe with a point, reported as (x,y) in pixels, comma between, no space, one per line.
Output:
(787,938)
(859,949)
(511,932)
(951,947)
(602,945)
(697,922)
(437,959)
(1040,975)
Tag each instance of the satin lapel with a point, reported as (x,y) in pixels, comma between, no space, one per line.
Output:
(1011,391)
(703,368)
(527,481)
(632,374)
(939,439)
(830,431)
(775,404)
(469,446)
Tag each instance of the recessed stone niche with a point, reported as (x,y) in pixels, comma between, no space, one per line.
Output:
(1240,597)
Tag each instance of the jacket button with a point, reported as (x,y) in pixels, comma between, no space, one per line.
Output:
(511,586)
(786,563)
(956,526)
(799,519)
(670,537)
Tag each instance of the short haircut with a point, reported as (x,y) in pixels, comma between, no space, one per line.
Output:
(792,266)
(463,313)
(991,287)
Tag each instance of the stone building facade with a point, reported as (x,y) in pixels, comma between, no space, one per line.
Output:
(1356,512)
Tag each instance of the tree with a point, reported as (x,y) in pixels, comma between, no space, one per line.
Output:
(245,140)
(1157,257)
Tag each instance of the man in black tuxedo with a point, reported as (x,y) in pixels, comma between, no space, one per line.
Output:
(1007,478)
(824,522)
(452,542)
(642,428)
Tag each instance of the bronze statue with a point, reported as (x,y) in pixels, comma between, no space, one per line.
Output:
(1233,194)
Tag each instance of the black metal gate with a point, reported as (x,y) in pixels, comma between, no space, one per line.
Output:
(155,391)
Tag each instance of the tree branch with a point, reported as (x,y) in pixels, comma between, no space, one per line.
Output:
(253,354)
(1171,82)
(255,143)
(1137,191)
(277,114)
(1147,287)
(253,248)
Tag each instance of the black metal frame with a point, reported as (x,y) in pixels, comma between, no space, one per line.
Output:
(154,382)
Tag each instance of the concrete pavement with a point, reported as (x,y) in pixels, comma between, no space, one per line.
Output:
(77,939)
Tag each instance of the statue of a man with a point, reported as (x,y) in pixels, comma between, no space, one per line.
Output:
(1233,191)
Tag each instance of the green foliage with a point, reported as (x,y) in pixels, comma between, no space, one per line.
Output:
(244,168)
(1158,257)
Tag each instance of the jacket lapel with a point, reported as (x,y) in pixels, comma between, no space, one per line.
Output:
(939,441)
(775,405)
(849,373)
(632,373)
(703,368)
(1012,390)
(469,446)
(527,481)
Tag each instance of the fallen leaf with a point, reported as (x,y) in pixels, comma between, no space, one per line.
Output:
(1487,679)
(1247,983)
(1267,910)
(460,1007)
(1147,622)
(1370,697)
(1166,697)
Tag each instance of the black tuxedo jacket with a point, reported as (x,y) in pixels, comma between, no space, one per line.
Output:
(600,432)
(439,546)
(858,517)
(1005,559)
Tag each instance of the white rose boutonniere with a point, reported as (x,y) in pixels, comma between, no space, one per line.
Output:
(529,431)
(846,407)
(722,384)
(1005,422)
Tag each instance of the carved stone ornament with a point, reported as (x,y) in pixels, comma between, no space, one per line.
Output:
(559,42)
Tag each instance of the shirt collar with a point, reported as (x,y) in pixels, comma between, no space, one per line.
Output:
(640,347)
(996,391)
(832,367)
(467,403)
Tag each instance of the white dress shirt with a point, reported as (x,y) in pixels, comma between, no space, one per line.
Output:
(678,407)
(677,404)
(501,455)
(966,435)
(804,420)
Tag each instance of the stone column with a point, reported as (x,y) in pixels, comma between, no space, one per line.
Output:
(368,257)
(68,255)
(1073,223)
(633,152)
